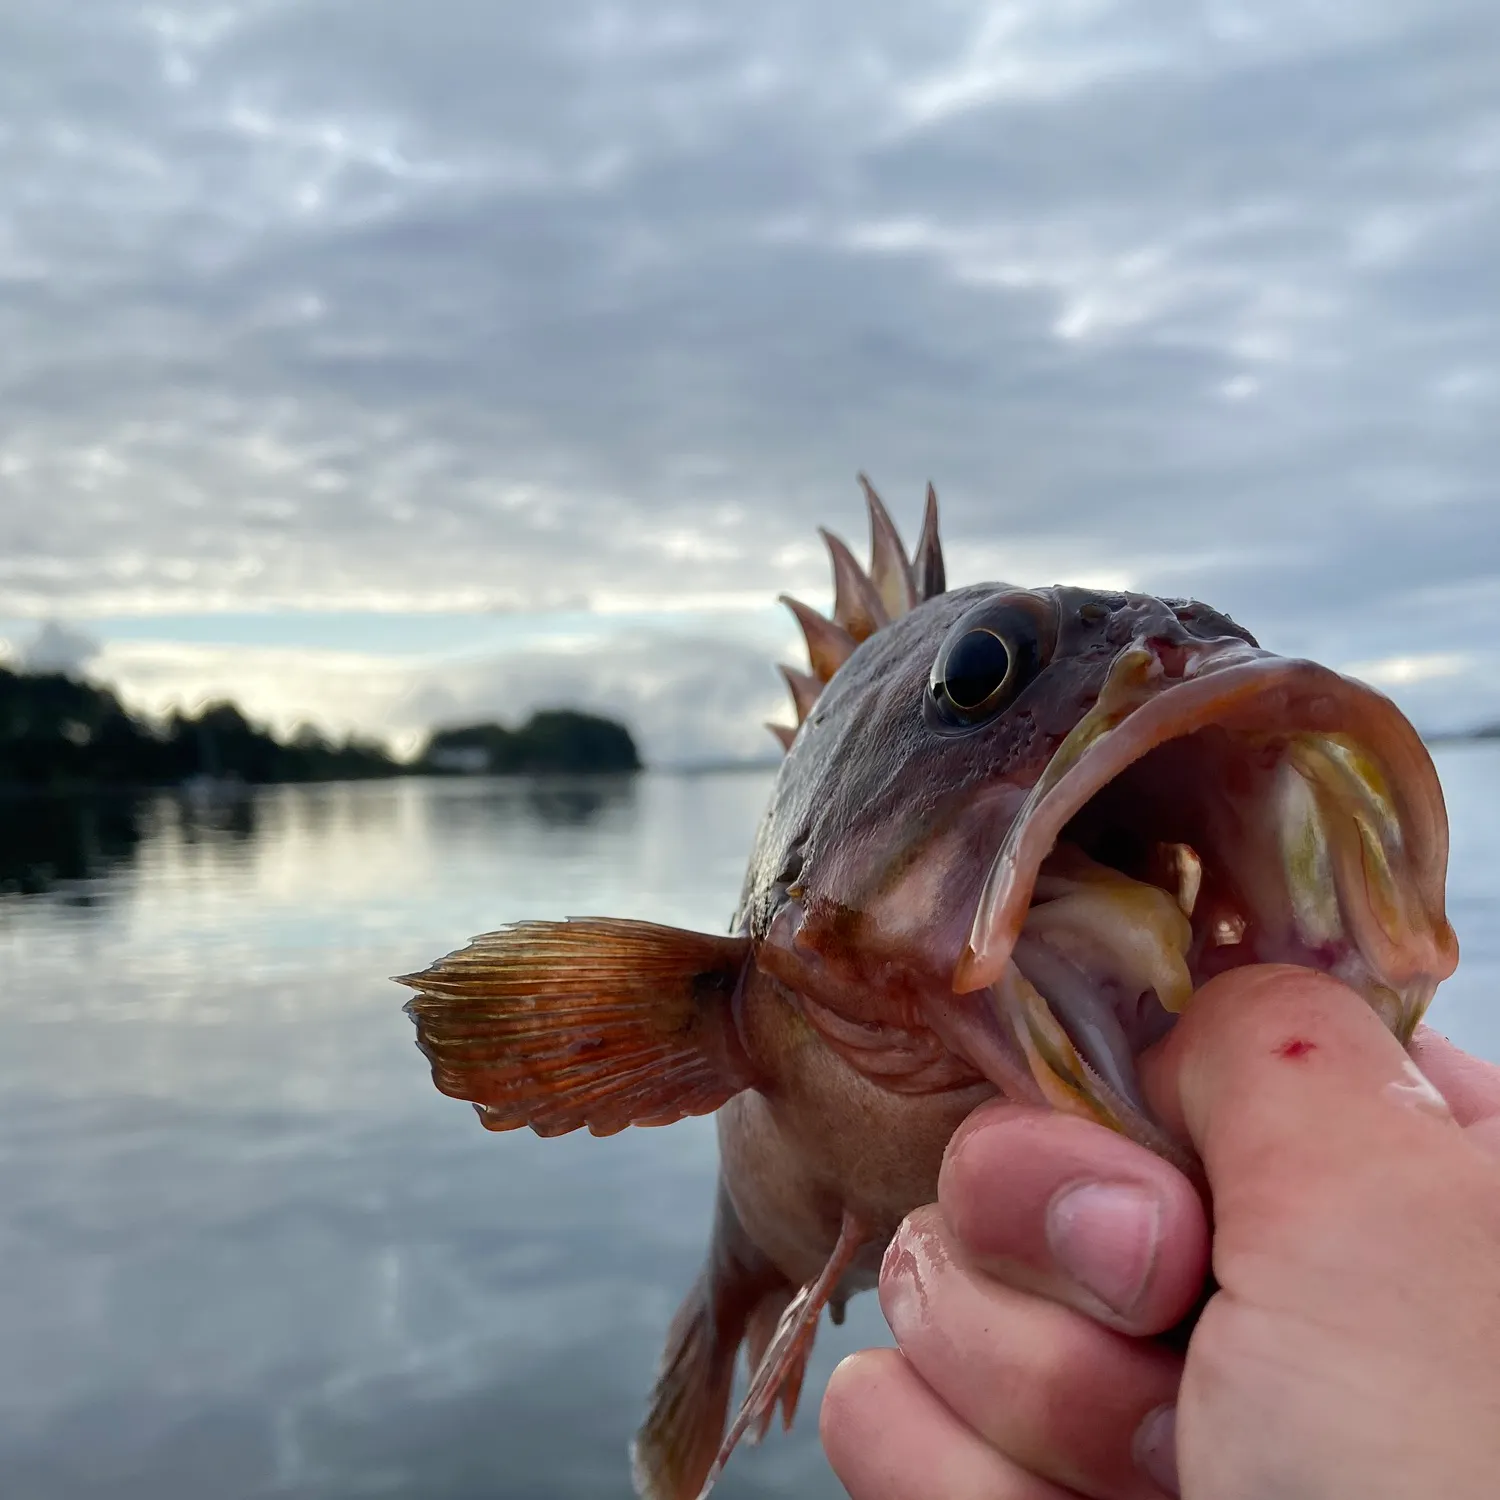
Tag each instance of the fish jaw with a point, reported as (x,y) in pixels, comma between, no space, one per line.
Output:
(1305,824)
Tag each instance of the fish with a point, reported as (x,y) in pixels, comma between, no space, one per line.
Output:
(1013,832)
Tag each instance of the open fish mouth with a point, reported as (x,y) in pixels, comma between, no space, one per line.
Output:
(1218,806)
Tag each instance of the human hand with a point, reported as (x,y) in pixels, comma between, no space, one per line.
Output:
(1352,1346)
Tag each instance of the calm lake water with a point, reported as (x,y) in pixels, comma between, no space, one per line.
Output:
(249,1251)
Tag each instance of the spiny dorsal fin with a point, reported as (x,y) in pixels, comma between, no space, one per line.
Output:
(593,1022)
(863,601)
(927,567)
(804,689)
(856,605)
(890,571)
(829,646)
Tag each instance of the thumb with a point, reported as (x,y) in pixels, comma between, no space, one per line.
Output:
(1356,1242)
(1302,1107)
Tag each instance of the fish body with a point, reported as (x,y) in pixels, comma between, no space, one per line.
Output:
(820,1140)
(1013,832)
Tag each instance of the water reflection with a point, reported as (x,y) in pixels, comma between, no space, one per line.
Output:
(499,803)
(73,846)
(577,804)
(210,809)
(49,842)
(250,1251)
(70,844)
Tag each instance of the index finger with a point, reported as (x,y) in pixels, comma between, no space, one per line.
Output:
(1469,1084)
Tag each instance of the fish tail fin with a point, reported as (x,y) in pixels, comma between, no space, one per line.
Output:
(592,1022)
(678,1442)
(675,1448)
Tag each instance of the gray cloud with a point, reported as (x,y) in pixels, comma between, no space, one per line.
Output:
(56,647)
(478,305)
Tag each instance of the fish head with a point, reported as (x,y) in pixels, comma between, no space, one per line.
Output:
(1038,820)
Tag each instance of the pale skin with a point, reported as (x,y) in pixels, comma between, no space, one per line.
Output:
(1352,1346)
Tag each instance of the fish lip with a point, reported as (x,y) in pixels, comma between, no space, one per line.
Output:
(1160,691)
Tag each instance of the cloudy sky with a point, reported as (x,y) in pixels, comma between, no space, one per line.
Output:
(384,363)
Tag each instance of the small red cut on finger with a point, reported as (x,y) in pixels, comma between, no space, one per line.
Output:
(1059,1394)
(888,1437)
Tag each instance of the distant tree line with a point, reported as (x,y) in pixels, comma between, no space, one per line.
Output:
(58,732)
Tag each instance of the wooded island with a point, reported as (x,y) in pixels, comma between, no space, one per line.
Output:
(58,732)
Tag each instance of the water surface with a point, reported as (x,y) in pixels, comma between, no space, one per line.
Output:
(249,1251)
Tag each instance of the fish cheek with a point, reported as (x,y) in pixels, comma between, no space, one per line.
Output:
(823,1138)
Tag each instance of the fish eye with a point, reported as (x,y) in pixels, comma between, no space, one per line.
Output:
(975,669)
(987,658)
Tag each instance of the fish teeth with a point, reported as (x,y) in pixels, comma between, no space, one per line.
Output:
(1186,871)
(1228,929)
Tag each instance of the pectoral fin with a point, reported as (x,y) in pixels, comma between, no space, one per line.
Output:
(592,1022)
